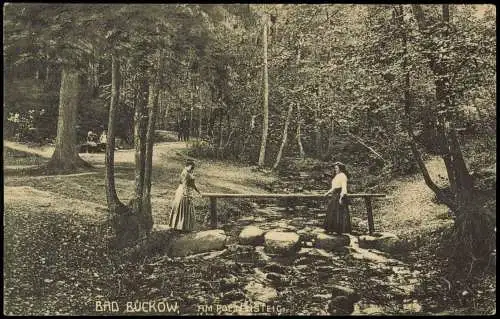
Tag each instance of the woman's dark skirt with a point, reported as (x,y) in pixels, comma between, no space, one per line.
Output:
(338,219)
(182,213)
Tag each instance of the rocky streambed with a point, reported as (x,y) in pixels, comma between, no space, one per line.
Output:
(284,263)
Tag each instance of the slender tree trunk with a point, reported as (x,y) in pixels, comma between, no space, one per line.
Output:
(331,136)
(65,156)
(165,116)
(191,121)
(318,145)
(147,217)
(265,123)
(111,196)
(302,154)
(140,148)
(200,114)
(441,195)
(219,152)
(47,69)
(125,223)
(444,149)
(285,134)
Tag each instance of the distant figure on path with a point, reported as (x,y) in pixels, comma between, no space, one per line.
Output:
(182,214)
(103,138)
(91,137)
(185,129)
(179,131)
(338,218)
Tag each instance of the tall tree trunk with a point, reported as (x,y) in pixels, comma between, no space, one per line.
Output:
(111,196)
(65,157)
(191,121)
(140,148)
(200,115)
(318,145)
(219,151)
(458,174)
(265,123)
(47,69)
(125,223)
(154,85)
(331,136)
(165,116)
(285,134)
(302,154)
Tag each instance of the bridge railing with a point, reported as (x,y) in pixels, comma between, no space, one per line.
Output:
(366,196)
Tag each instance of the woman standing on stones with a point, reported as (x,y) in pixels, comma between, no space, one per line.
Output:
(338,218)
(182,213)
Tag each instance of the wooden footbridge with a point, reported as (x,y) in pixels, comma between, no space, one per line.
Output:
(366,196)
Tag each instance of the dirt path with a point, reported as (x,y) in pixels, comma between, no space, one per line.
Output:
(411,206)
(168,161)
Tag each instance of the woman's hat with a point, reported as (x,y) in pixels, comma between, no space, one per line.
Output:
(339,164)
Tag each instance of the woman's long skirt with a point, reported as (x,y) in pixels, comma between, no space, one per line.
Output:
(338,218)
(182,213)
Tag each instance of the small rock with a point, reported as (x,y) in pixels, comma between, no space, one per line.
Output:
(228,283)
(327,269)
(277,268)
(258,292)
(251,235)
(262,254)
(321,297)
(302,267)
(274,277)
(331,242)
(386,242)
(233,295)
(160,227)
(350,293)
(341,305)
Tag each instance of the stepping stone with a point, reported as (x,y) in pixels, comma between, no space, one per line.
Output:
(386,242)
(281,243)
(197,242)
(331,242)
(251,235)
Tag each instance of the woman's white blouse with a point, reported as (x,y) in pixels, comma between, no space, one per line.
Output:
(340,181)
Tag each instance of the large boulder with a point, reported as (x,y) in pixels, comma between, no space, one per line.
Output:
(197,242)
(331,242)
(281,243)
(251,235)
(386,242)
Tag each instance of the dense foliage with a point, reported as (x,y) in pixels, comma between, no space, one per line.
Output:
(339,65)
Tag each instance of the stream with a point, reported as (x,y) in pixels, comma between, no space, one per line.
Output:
(302,282)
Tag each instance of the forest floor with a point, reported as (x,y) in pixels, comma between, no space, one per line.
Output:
(57,262)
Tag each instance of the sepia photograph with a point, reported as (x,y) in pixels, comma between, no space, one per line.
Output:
(249,159)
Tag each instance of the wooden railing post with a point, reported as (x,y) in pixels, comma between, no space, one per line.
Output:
(213,212)
(371,226)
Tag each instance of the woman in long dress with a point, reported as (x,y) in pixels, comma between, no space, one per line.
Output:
(182,215)
(337,216)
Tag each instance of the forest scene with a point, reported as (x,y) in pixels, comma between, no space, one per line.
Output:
(192,158)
